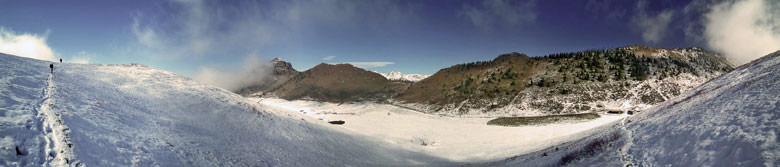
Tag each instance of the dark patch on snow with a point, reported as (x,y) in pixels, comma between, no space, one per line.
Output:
(337,122)
(593,147)
(20,152)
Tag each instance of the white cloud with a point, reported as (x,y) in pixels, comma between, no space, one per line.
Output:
(25,45)
(145,35)
(370,64)
(492,13)
(198,28)
(82,57)
(80,60)
(653,27)
(252,71)
(743,30)
(328,58)
(346,13)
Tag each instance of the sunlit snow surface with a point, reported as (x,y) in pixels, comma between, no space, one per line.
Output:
(456,139)
(131,115)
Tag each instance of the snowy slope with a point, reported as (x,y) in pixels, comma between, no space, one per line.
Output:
(394,75)
(132,115)
(22,138)
(732,120)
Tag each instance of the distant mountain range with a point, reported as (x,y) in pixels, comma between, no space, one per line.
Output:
(625,78)
(394,75)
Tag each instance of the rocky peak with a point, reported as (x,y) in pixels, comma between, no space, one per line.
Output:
(282,67)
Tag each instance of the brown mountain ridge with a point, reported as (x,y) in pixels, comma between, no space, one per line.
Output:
(339,83)
(516,84)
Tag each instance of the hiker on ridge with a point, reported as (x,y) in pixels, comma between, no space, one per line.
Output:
(52,67)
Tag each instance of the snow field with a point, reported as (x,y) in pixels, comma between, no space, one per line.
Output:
(456,139)
(132,115)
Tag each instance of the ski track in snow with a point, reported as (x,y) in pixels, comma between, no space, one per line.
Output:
(23,84)
(58,148)
(629,139)
(33,133)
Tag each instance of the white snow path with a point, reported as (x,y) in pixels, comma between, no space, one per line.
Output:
(628,136)
(58,148)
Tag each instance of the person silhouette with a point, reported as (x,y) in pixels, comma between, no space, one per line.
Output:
(52,67)
(60,60)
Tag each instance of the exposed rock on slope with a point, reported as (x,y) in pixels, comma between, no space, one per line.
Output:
(282,72)
(732,120)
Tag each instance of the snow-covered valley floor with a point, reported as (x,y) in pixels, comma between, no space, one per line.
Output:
(456,139)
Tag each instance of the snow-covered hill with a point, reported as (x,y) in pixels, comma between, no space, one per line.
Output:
(132,115)
(732,120)
(394,75)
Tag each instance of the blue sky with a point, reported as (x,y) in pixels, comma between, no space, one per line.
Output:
(409,36)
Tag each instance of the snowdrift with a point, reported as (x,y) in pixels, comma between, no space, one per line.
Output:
(132,115)
(732,120)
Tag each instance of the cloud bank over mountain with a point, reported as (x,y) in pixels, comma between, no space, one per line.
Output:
(25,45)
(743,30)
(252,70)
